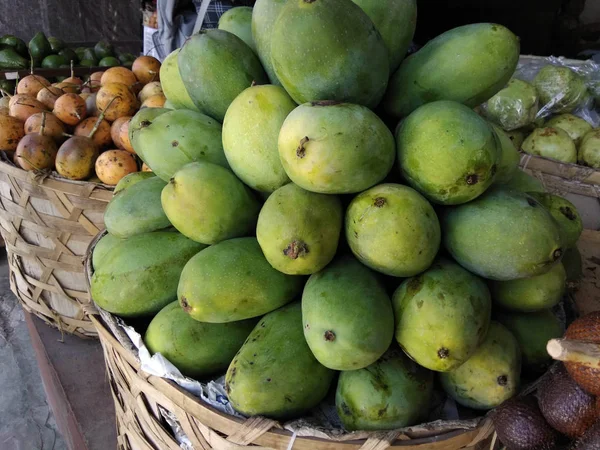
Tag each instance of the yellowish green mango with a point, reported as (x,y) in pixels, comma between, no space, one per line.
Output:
(552,143)
(131,179)
(589,150)
(264,15)
(574,126)
(238,21)
(104,245)
(172,84)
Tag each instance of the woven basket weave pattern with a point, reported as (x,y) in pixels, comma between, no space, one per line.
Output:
(47,225)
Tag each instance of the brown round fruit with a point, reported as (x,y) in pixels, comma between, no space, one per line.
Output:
(70,108)
(24,107)
(145,168)
(565,406)
(76,158)
(5,111)
(31,85)
(36,152)
(156,101)
(97,76)
(146,69)
(521,426)
(11,132)
(119,75)
(586,328)
(115,129)
(152,88)
(71,88)
(48,96)
(124,137)
(52,127)
(112,165)
(115,100)
(73,80)
(101,136)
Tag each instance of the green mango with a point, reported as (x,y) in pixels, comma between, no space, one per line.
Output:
(442,316)
(513,107)
(392,229)
(197,349)
(139,277)
(17,43)
(347,316)
(208,204)
(573,265)
(392,393)
(169,105)
(238,21)
(109,61)
(531,294)
(314,142)
(172,84)
(103,247)
(264,15)
(491,376)
(216,67)
(561,90)
(39,47)
(523,182)
(457,65)
(142,119)
(69,55)
(131,179)
(298,231)
(447,152)
(250,150)
(566,215)
(574,126)
(509,156)
(177,138)
(232,281)
(589,150)
(137,210)
(56,44)
(103,49)
(517,137)
(533,331)
(502,235)
(54,61)
(274,374)
(551,143)
(396,20)
(11,60)
(88,63)
(349,64)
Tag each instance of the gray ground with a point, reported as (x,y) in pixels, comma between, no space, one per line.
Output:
(26,421)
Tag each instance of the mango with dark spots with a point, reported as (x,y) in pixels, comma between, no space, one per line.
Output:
(139,276)
(142,119)
(392,229)
(197,349)
(233,281)
(553,143)
(566,215)
(392,393)
(347,315)
(275,374)
(502,235)
(491,376)
(177,138)
(447,152)
(442,316)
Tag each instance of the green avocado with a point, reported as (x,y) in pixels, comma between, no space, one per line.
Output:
(56,44)
(54,61)
(103,49)
(18,44)
(69,54)
(10,59)
(39,47)
(109,61)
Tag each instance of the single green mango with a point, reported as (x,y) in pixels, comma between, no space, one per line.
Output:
(137,210)
(447,152)
(17,43)
(142,119)
(513,107)
(39,47)
(314,142)
(491,376)
(298,231)
(531,294)
(551,143)
(238,21)
(103,247)
(509,158)
(457,65)
(172,84)
(589,150)
(392,393)
(232,281)
(533,331)
(274,374)
(442,316)
(131,179)
(216,66)
(393,229)
(574,126)
(139,276)
(329,50)
(502,235)
(264,15)
(197,349)
(566,215)
(561,90)
(109,61)
(523,182)
(347,316)
(252,150)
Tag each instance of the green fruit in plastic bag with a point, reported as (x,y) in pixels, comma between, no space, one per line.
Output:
(560,89)
(513,107)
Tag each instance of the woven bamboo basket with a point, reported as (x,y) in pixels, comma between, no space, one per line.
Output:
(47,224)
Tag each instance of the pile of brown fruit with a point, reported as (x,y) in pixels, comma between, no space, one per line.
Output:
(567,407)
(79,128)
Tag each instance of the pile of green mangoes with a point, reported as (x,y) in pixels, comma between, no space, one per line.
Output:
(288,238)
(539,117)
(53,53)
